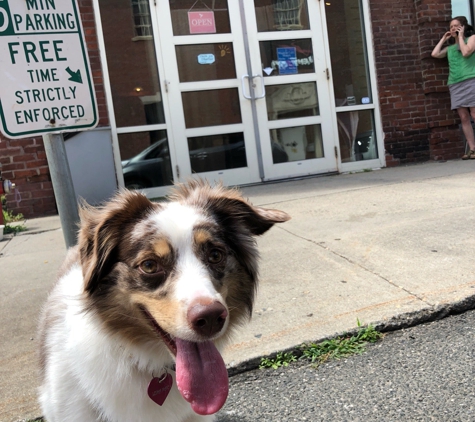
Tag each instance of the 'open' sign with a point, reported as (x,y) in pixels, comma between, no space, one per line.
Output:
(202,22)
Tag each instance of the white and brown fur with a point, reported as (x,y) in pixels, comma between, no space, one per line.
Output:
(98,349)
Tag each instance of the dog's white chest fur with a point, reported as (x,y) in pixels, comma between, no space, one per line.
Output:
(95,377)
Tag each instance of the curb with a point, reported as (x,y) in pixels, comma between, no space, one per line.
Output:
(399,322)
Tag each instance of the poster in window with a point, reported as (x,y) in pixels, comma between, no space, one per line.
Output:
(287,58)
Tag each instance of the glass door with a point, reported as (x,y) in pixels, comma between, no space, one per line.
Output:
(245,84)
(204,61)
(295,115)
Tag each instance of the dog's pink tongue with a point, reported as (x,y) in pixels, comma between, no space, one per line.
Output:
(201,376)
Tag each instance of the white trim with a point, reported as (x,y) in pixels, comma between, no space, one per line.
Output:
(378,126)
(294,122)
(141,128)
(164,82)
(284,35)
(213,130)
(206,85)
(176,88)
(202,39)
(289,79)
(108,94)
(357,166)
(325,119)
(363,107)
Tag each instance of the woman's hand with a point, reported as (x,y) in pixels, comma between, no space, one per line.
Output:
(439,52)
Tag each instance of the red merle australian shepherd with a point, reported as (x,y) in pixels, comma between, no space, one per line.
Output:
(131,331)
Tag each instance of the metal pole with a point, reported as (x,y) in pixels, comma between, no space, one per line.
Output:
(63,186)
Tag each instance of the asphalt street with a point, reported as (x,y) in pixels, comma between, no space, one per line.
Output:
(423,373)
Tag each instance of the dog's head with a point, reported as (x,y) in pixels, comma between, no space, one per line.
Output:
(183,271)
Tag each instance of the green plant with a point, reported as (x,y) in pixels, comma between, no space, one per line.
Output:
(337,348)
(17,228)
(343,346)
(9,217)
(281,359)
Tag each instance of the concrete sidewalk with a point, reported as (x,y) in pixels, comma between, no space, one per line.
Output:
(390,247)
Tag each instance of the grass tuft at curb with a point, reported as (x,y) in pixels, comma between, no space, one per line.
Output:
(9,217)
(318,353)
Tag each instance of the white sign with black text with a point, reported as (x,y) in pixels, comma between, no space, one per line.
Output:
(46,81)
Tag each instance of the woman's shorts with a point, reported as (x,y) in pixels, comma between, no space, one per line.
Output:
(462,94)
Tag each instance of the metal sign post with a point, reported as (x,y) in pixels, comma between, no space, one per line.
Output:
(46,85)
(63,186)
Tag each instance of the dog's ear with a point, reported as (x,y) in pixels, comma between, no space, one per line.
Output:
(233,208)
(101,231)
(228,206)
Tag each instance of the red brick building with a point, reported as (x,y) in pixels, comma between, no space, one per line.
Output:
(335,87)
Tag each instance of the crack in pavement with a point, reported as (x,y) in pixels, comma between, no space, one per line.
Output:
(349,260)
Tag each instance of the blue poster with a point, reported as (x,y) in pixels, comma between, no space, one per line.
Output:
(287,57)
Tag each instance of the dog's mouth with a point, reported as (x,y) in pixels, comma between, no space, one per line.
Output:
(201,375)
(166,337)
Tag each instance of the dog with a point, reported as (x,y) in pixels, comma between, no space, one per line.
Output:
(132,329)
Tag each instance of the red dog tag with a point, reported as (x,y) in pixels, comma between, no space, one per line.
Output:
(159,388)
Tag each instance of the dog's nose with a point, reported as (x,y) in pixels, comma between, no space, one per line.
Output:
(207,319)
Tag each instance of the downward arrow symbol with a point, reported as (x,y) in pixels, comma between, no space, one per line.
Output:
(74,76)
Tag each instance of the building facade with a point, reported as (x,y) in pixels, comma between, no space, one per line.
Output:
(250,92)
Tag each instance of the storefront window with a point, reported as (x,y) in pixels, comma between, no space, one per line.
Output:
(205,62)
(348,53)
(214,107)
(190,17)
(296,143)
(356,135)
(217,152)
(287,57)
(145,159)
(132,62)
(351,83)
(288,101)
(281,15)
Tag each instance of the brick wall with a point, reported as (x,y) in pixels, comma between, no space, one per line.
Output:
(24,160)
(24,163)
(415,103)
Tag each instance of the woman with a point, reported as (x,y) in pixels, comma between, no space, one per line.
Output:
(461,74)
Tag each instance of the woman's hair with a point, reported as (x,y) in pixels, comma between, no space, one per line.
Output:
(468,29)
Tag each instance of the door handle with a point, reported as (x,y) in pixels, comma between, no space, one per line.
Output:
(247,97)
(263,86)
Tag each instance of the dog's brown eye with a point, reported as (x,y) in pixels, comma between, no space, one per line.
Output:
(149,267)
(215,256)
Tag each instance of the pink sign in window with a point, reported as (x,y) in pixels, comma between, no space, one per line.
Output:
(202,22)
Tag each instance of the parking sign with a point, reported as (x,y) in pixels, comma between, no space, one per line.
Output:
(46,82)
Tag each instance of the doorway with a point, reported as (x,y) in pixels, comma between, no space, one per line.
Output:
(246,84)
(236,91)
